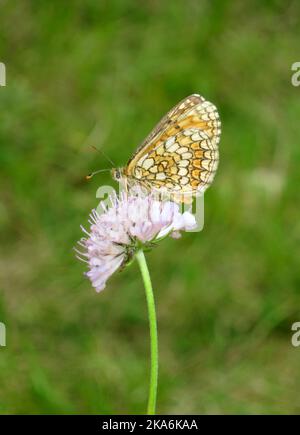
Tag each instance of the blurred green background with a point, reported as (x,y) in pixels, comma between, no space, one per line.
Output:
(102,73)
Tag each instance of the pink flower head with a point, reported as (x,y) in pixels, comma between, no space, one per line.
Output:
(130,223)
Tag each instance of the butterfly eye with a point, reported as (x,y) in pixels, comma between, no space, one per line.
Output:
(116,174)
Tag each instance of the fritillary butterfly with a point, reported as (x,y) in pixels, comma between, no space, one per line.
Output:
(181,154)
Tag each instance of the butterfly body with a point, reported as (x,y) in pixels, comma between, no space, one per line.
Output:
(181,154)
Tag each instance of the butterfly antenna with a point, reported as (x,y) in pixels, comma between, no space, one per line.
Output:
(88,177)
(103,153)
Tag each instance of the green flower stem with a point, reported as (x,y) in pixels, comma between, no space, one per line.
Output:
(153,332)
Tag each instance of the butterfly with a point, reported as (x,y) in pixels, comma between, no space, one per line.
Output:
(181,154)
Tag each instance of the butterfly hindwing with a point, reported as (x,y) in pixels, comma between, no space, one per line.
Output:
(184,162)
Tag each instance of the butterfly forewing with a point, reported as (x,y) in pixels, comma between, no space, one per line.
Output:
(181,153)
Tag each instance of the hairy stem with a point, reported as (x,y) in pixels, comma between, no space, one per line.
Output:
(153,332)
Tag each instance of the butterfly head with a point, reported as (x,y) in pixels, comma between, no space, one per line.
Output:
(117,173)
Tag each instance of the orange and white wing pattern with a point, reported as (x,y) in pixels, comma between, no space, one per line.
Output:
(181,153)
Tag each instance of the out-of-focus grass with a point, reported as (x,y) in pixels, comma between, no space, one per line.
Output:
(227,296)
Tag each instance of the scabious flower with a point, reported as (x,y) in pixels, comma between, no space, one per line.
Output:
(132,222)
